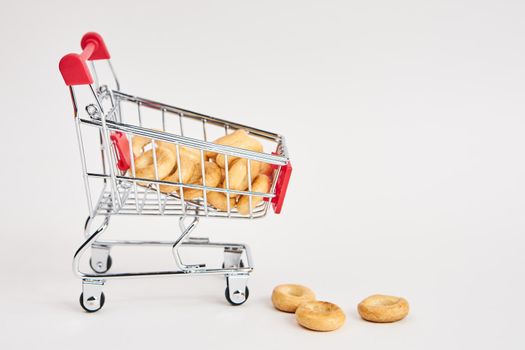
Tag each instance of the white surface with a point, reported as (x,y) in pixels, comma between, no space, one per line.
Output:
(415,108)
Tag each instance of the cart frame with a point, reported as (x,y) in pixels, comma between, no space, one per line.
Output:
(123,193)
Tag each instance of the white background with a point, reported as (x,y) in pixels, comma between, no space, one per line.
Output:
(404,120)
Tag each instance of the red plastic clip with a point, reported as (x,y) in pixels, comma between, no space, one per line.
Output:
(120,141)
(280,187)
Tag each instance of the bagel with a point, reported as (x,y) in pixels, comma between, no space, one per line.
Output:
(266,169)
(255,167)
(287,297)
(238,173)
(138,143)
(228,140)
(145,165)
(219,200)
(186,168)
(260,184)
(196,176)
(320,316)
(212,177)
(248,143)
(191,153)
(383,308)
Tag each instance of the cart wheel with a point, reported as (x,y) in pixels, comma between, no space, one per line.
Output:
(102,300)
(97,269)
(241,264)
(239,297)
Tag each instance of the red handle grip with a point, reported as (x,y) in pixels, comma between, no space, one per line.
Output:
(73,66)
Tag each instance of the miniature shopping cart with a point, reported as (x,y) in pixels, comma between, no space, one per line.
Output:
(106,121)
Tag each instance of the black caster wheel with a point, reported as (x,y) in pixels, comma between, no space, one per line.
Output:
(89,308)
(241,299)
(97,270)
(241,264)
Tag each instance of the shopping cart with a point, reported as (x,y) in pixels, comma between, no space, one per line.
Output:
(106,126)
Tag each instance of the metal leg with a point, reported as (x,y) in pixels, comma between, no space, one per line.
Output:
(92,299)
(185,232)
(89,221)
(88,243)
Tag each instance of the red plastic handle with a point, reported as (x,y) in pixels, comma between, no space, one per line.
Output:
(73,66)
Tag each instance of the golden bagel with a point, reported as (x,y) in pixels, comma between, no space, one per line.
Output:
(138,143)
(266,169)
(212,177)
(145,165)
(186,168)
(262,185)
(248,143)
(320,316)
(383,308)
(287,297)
(228,140)
(238,174)
(219,200)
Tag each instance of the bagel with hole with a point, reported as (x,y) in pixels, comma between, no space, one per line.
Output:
(228,140)
(219,200)
(383,308)
(212,178)
(138,143)
(145,164)
(196,176)
(260,184)
(266,169)
(247,142)
(287,297)
(320,316)
(186,169)
(238,174)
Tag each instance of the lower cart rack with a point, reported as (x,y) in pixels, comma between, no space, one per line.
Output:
(237,263)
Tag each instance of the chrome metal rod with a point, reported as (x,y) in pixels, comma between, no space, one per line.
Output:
(198,116)
(82,249)
(193,241)
(192,272)
(190,142)
(185,232)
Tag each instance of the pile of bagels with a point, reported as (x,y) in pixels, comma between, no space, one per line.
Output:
(324,316)
(189,166)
